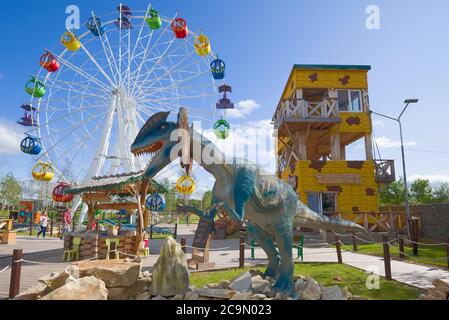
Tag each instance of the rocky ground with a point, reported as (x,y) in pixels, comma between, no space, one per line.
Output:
(439,292)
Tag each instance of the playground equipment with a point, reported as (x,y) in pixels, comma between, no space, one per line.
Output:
(35,88)
(70,41)
(7,235)
(29,118)
(218,68)
(179,27)
(202,45)
(73,253)
(156,202)
(95,26)
(185,185)
(153,19)
(43,171)
(49,62)
(31,145)
(59,194)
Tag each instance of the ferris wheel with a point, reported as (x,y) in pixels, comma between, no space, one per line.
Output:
(97,88)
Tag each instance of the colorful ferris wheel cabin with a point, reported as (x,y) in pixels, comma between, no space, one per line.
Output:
(179,27)
(124,21)
(95,26)
(218,68)
(202,45)
(35,88)
(323,111)
(153,20)
(225,102)
(49,62)
(70,41)
(222,129)
(31,145)
(43,171)
(29,118)
(60,194)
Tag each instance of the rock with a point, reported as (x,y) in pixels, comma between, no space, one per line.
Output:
(144,296)
(242,296)
(281,296)
(191,295)
(258,296)
(159,298)
(441,285)
(146,274)
(347,294)
(255,273)
(436,294)
(224,284)
(57,280)
(312,291)
(213,286)
(358,298)
(422,296)
(333,293)
(34,293)
(178,297)
(268,291)
(259,285)
(129,293)
(115,273)
(242,283)
(88,288)
(300,285)
(215,293)
(171,272)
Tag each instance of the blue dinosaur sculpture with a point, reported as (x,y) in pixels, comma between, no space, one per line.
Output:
(243,191)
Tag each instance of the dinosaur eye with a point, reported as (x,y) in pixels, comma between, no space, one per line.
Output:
(162,127)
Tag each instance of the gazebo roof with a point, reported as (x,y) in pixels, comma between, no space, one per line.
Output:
(115,183)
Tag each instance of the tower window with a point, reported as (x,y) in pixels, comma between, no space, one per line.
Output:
(349,100)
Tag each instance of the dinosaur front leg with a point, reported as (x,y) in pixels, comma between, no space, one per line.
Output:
(231,212)
(265,241)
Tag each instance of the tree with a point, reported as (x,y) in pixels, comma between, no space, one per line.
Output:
(421,191)
(441,193)
(393,194)
(10,190)
(207,199)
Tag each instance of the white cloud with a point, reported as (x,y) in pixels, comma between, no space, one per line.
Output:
(432,178)
(10,137)
(378,123)
(243,109)
(385,142)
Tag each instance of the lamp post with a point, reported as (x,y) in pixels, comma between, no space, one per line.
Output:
(398,120)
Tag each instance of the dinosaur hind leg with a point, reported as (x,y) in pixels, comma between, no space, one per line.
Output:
(284,239)
(265,241)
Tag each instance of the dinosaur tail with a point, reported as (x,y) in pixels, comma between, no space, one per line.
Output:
(305,217)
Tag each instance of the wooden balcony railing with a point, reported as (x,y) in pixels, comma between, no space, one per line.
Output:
(385,172)
(304,110)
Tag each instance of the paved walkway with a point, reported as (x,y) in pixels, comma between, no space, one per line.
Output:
(224,253)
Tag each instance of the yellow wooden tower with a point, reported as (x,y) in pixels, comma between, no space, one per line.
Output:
(323,109)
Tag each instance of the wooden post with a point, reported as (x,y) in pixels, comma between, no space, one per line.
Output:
(16,269)
(354,242)
(176,229)
(414,237)
(387,260)
(51,224)
(253,244)
(31,225)
(242,252)
(401,247)
(184,245)
(151,232)
(447,251)
(337,244)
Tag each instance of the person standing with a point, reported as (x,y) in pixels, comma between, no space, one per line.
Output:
(66,222)
(43,224)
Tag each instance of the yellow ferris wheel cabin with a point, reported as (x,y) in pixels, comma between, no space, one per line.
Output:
(324,109)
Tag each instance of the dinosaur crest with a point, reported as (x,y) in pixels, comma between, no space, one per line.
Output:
(152,122)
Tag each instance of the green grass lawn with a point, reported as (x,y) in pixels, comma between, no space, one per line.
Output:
(325,273)
(425,253)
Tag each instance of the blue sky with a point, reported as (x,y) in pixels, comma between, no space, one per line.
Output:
(261,41)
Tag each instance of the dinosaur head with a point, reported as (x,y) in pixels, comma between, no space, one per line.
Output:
(155,139)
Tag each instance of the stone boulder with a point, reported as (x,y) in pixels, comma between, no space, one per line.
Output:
(171,272)
(56,280)
(129,293)
(260,285)
(242,283)
(333,293)
(114,273)
(312,290)
(88,288)
(34,293)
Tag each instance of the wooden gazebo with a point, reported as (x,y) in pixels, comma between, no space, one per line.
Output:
(99,194)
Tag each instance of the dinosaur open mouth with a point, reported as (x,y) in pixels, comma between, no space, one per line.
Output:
(151,149)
